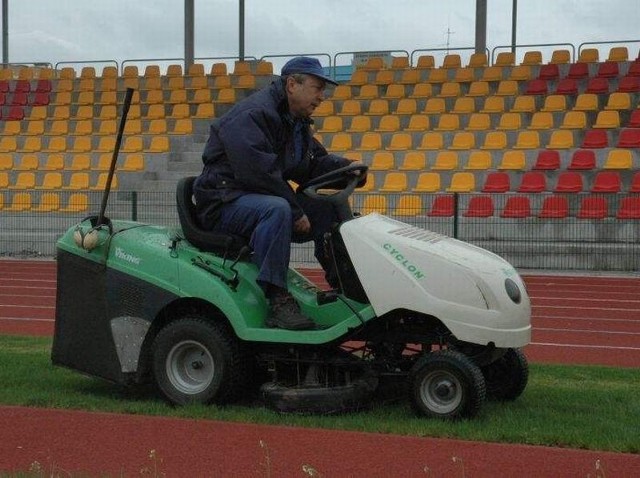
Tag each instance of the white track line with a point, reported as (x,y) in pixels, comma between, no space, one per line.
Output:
(586,331)
(26,319)
(546,344)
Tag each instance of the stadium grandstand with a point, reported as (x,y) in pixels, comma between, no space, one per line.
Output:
(534,156)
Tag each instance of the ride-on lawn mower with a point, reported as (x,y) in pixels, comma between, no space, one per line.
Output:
(139,303)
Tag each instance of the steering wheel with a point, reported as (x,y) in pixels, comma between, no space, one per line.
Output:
(342,179)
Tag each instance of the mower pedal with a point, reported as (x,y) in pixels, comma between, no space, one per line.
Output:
(327,297)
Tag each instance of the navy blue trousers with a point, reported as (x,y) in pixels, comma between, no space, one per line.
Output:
(268,223)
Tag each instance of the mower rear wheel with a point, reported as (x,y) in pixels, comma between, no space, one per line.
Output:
(507,377)
(196,360)
(446,384)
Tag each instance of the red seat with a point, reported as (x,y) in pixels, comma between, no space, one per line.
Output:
(629,208)
(635,183)
(629,138)
(634,69)
(567,86)
(569,182)
(547,159)
(43,86)
(634,119)
(40,99)
(595,139)
(480,206)
(536,87)
(497,182)
(20,98)
(578,71)
(22,86)
(549,72)
(608,69)
(629,84)
(517,207)
(593,207)
(583,159)
(533,182)
(442,206)
(554,207)
(3,98)
(598,86)
(4,86)
(607,182)
(16,113)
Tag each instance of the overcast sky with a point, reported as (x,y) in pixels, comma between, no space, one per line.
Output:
(79,30)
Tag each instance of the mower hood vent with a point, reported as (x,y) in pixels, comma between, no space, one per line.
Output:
(412,232)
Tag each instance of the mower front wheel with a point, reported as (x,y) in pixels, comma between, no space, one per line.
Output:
(507,377)
(196,360)
(446,384)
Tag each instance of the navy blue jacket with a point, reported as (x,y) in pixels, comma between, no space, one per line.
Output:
(251,150)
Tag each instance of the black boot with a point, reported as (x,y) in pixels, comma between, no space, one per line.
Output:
(284,313)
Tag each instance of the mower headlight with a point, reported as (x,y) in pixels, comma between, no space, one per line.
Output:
(513,291)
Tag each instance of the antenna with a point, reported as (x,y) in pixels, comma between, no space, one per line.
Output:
(449,33)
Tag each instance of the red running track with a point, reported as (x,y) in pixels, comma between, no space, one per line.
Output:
(576,319)
(590,320)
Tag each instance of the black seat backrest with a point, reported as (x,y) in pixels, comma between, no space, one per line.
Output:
(207,241)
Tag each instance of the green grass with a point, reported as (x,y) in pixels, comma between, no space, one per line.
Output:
(586,407)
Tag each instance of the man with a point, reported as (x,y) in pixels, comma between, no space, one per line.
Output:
(252,152)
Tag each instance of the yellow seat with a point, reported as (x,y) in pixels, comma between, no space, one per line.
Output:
(109,71)
(510,121)
(452,60)
(607,119)
(54,162)
(28,162)
(264,67)
(4,183)
(492,73)
(513,160)
(618,53)
(421,90)
(61,98)
(394,182)
(478,89)
(406,106)
(619,159)
(359,78)
(158,144)
(80,162)
(462,182)
(532,58)
(19,202)
(618,101)
(449,90)
(527,140)
(352,155)
(87,72)
(132,144)
(83,127)
(158,126)
(370,141)
(399,62)
(349,108)
(382,161)
(220,82)
(12,128)
(383,77)
(426,62)
(418,122)
(438,76)
(38,113)
(479,122)
(400,142)
(84,112)
(78,181)
(448,122)
(51,181)
(86,84)
(507,88)
(560,57)
(374,203)
(378,107)
(524,104)
(226,95)
(205,111)
(155,111)
(410,77)
(445,160)
(427,182)
(464,105)
(177,96)
(413,161)
(26,180)
(152,71)
(493,104)
(218,69)
(561,139)
(133,127)
(495,140)
(106,144)
(48,202)
(246,82)
(394,91)
(520,73)
(388,124)
(586,102)
(505,58)
(85,98)
(326,108)
(8,144)
(479,160)
(32,144)
(6,161)
(133,162)
(431,141)
(408,205)
(108,112)
(174,70)
(554,103)
(478,60)
(56,144)
(81,144)
(574,120)
(58,128)
(78,202)
(101,182)
(341,142)
(435,106)
(104,162)
(154,97)
(197,83)
(463,140)
(541,120)
(464,75)
(359,124)
(342,92)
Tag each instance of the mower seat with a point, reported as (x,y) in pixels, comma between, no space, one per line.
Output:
(207,241)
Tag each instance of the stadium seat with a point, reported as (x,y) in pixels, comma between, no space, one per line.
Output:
(527,140)
(435,106)
(464,105)
(574,120)
(48,202)
(607,182)
(382,161)
(427,183)
(536,87)
(524,104)
(101,182)
(133,162)
(478,122)
(629,84)
(634,69)
(400,142)
(505,58)
(586,102)
(578,71)
(331,124)
(207,111)
(478,89)
(479,206)
(394,182)
(450,90)
(16,113)
(514,160)
(497,182)
(507,88)
(462,182)
(438,76)
(79,162)
(80,144)
(51,181)
(443,206)
(367,92)
(31,144)
(618,101)
(464,75)
(445,160)
(607,119)
(480,160)
(463,140)
(493,104)
(520,73)
(27,162)
(582,159)
(341,142)
(495,140)
(598,86)
(560,57)
(132,144)
(589,55)
(6,161)
(608,69)
(569,182)
(547,160)
(359,124)
(595,139)
(25,180)
(492,74)
(12,128)
(408,205)
(326,108)
(406,106)
(593,207)
(410,76)
(394,91)
(218,69)
(421,90)
(374,203)
(399,63)
(541,120)
(567,87)
(431,141)
(629,138)
(618,54)
(19,202)
(388,124)
(349,108)
(383,77)
(554,207)
(517,207)
(56,144)
(371,141)
(634,119)
(510,121)
(418,122)
(554,103)
(448,122)
(533,182)
(413,161)
(618,159)
(561,139)
(532,57)
(629,208)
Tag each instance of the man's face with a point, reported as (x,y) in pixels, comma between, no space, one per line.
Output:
(304,97)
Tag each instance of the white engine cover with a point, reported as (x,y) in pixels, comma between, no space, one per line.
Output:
(405,267)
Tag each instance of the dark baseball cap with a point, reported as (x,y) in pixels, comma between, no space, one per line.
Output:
(307,66)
